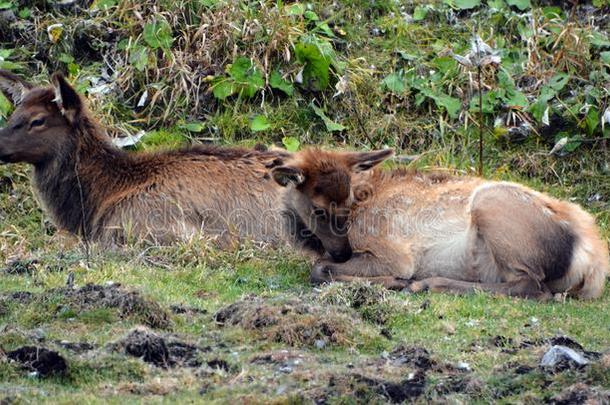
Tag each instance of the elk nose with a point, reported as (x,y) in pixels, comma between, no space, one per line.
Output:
(341,255)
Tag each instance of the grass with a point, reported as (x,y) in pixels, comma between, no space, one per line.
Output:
(338,343)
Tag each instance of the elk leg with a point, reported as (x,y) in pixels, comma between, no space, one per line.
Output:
(364,267)
(524,287)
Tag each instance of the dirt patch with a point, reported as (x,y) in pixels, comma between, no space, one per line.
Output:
(366,388)
(185,310)
(292,321)
(76,347)
(40,360)
(21,267)
(20,297)
(162,351)
(581,393)
(456,384)
(417,357)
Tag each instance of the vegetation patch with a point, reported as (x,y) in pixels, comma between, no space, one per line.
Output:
(93,302)
(295,322)
(372,301)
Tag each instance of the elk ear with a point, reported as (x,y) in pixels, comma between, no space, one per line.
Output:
(67,99)
(13,86)
(362,161)
(285,175)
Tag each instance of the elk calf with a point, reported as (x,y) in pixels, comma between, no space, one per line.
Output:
(442,233)
(92,188)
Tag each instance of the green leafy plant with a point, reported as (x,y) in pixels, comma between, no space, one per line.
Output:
(193,126)
(276,81)
(520,4)
(540,109)
(259,123)
(5,63)
(317,56)
(291,143)
(244,79)
(463,4)
(158,34)
(331,126)
(6,4)
(71,65)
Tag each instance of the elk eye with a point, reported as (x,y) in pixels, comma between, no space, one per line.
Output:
(319,212)
(38,122)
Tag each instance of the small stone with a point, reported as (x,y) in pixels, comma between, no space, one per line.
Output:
(320,344)
(562,357)
(286,369)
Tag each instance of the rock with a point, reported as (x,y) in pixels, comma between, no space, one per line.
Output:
(562,357)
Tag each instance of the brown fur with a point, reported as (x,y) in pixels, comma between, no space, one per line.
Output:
(443,233)
(92,188)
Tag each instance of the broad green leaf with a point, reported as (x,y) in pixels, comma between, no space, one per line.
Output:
(6,107)
(65,58)
(317,56)
(592,120)
(8,65)
(325,29)
(223,89)
(259,123)
(331,125)
(552,12)
(311,16)
(5,53)
(247,77)
(511,97)
(445,63)
(277,82)
(73,69)
(295,9)
(420,13)
(559,81)
(605,57)
(538,109)
(158,34)
(193,126)
(516,99)
(407,56)
(496,4)
(489,102)
(395,83)
(103,4)
(291,143)
(464,4)
(451,104)
(6,5)
(520,4)
(25,13)
(572,145)
(138,57)
(599,39)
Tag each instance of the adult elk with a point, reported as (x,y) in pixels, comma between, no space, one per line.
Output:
(441,233)
(92,188)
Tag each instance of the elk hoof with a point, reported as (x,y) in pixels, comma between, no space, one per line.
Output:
(321,273)
(417,286)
